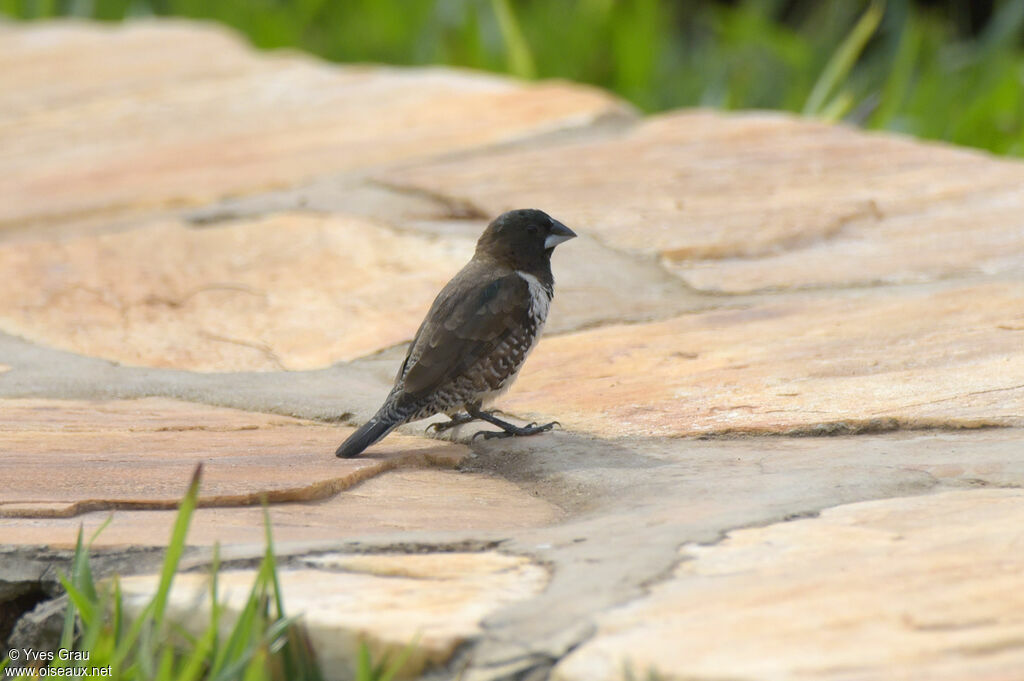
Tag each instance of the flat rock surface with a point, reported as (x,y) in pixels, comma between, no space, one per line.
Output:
(218,255)
(194,116)
(291,291)
(72,457)
(924,587)
(918,358)
(762,200)
(402,500)
(391,601)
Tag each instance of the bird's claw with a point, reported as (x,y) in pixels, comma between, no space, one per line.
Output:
(441,426)
(489,434)
(520,431)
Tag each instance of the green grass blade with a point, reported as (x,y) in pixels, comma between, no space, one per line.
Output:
(297,656)
(838,107)
(256,670)
(843,59)
(138,641)
(103,526)
(303,655)
(271,562)
(196,661)
(364,665)
(900,73)
(520,59)
(135,638)
(84,606)
(165,667)
(83,602)
(215,607)
(252,644)
(67,635)
(293,668)
(395,667)
(118,615)
(232,656)
(176,547)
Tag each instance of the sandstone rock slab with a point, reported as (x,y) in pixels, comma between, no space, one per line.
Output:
(74,457)
(595,283)
(755,201)
(289,291)
(292,290)
(437,601)
(946,357)
(114,120)
(402,500)
(921,587)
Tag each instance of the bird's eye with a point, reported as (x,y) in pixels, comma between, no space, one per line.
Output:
(532,229)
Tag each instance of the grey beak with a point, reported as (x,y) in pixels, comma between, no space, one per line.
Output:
(559,233)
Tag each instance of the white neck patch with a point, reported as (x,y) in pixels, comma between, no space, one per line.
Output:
(540,297)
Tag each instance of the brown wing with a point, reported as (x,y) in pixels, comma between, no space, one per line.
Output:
(470,318)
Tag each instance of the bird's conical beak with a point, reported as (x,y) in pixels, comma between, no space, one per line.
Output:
(559,233)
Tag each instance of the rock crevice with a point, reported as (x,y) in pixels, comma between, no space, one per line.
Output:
(784,355)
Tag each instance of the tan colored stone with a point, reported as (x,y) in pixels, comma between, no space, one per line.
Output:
(284,292)
(122,119)
(395,501)
(915,588)
(871,360)
(425,566)
(73,457)
(437,601)
(935,243)
(739,202)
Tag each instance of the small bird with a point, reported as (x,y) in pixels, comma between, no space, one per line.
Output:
(476,336)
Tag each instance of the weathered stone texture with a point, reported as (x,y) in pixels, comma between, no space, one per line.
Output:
(289,291)
(387,601)
(73,457)
(401,500)
(763,200)
(934,357)
(76,462)
(192,116)
(912,588)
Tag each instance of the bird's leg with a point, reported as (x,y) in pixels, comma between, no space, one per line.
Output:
(507,429)
(456,420)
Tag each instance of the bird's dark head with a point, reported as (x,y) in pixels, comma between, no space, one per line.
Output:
(522,239)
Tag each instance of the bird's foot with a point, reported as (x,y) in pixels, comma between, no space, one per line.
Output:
(457,420)
(509,430)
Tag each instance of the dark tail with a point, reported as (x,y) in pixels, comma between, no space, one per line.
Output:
(368,433)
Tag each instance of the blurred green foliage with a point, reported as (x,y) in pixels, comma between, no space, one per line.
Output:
(898,67)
